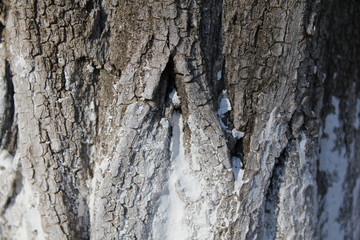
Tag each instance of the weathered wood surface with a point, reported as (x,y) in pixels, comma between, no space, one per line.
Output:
(179,119)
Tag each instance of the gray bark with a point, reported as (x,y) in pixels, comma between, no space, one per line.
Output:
(179,119)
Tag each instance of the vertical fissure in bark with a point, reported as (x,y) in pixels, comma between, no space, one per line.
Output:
(80,137)
(238,152)
(8,131)
(89,6)
(212,42)
(174,199)
(2,27)
(166,86)
(234,138)
(256,35)
(141,150)
(99,20)
(272,199)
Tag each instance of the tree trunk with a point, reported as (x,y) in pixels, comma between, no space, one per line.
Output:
(179,119)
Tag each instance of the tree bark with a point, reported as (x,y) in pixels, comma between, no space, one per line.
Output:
(179,119)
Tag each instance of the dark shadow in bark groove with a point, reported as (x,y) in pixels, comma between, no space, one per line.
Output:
(100,21)
(83,85)
(211,44)
(272,197)
(165,87)
(89,6)
(238,151)
(8,132)
(2,27)
(161,103)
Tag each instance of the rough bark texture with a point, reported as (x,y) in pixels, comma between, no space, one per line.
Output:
(179,119)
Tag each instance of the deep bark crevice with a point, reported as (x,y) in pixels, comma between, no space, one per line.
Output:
(8,132)
(250,82)
(165,87)
(2,27)
(83,93)
(272,198)
(238,152)
(80,229)
(89,5)
(256,36)
(211,40)
(99,21)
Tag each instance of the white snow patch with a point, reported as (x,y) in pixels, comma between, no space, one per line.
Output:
(315,69)
(324,77)
(335,164)
(27,200)
(175,98)
(90,68)
(115,87)
(60,100)
(204,220)
(219,75)
(237,134)
(335,75)
(67,77)
(302,149)
(91,112)
(225,105)
(236,166)
(6,160)
(7,175)
(94,184)
(164,123)
(171,222)
(239,175)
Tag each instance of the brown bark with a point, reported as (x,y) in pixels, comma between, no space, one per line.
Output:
(96,144)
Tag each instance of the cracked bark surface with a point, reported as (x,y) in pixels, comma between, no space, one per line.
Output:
(179,119)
